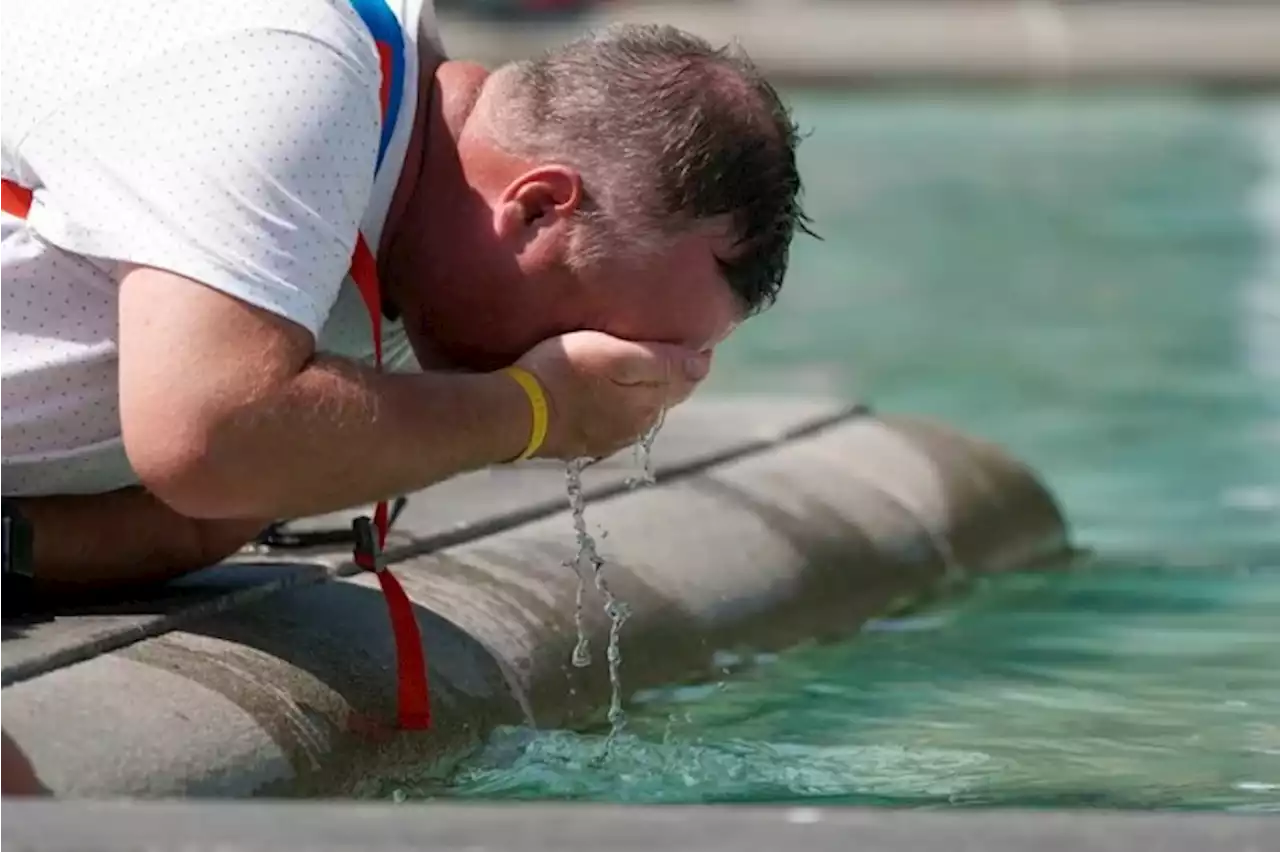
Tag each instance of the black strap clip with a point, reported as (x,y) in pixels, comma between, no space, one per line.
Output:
(368,552)
(278,535)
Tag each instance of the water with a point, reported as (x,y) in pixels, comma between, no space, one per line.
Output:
(1094,282)
(588,559)
(1143,687)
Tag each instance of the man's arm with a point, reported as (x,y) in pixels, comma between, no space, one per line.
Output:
(227,413)
(83,542)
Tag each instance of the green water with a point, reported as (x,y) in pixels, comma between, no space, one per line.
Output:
(1095,283)
(1134,688)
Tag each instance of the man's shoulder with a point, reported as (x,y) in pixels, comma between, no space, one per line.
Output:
(145,25)
(74,42)
(231,143)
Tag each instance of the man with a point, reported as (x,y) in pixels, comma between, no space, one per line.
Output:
(185,357)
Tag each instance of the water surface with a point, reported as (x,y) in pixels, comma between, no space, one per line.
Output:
(1093,281)
(1133,688)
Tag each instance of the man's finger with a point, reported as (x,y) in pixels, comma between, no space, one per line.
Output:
(679,391)
(696,368)
(653,363)
(697,365)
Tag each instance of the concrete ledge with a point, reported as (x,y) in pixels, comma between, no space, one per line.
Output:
(833,519)
(330,826)
(704,433)
(962,41)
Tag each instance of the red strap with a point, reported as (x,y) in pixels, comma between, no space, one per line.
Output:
(385,61)
(412,693)
(15,200)
(364,271)
(411,663)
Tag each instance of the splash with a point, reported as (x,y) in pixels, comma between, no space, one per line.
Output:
(643,454)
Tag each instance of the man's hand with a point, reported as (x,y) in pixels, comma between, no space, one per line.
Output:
(604,393)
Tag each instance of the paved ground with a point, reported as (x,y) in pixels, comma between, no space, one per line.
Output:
(872,41)
(327,827)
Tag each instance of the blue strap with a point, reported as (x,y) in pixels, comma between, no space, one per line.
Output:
(385,28)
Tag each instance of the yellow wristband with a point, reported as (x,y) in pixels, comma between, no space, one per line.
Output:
(538,406)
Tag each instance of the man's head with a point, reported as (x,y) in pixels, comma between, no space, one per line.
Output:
(637,182)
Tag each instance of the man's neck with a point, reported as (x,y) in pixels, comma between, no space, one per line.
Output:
(415,153)
(430,177)
(447,92)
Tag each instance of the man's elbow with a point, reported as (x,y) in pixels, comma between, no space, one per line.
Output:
(177,458)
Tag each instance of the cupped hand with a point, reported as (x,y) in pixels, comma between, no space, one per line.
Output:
(604,392)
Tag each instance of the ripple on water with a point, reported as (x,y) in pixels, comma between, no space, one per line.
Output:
(523,763)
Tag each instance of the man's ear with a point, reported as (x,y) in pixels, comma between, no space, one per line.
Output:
(540,197)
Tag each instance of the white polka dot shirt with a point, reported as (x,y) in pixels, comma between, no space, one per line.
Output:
(231,142)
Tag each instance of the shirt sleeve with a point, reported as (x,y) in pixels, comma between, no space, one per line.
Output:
(243,161)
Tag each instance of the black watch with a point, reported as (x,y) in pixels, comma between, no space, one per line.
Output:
(19,568)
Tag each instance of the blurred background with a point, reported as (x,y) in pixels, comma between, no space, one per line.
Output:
(1052,222)
(1056,225)
(860,42)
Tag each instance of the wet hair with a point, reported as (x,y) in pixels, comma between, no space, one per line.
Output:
(668,133)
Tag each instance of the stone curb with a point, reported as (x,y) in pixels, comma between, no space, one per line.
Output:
(291,693)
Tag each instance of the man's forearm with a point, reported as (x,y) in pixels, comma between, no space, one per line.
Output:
(91,540)
(340,435)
